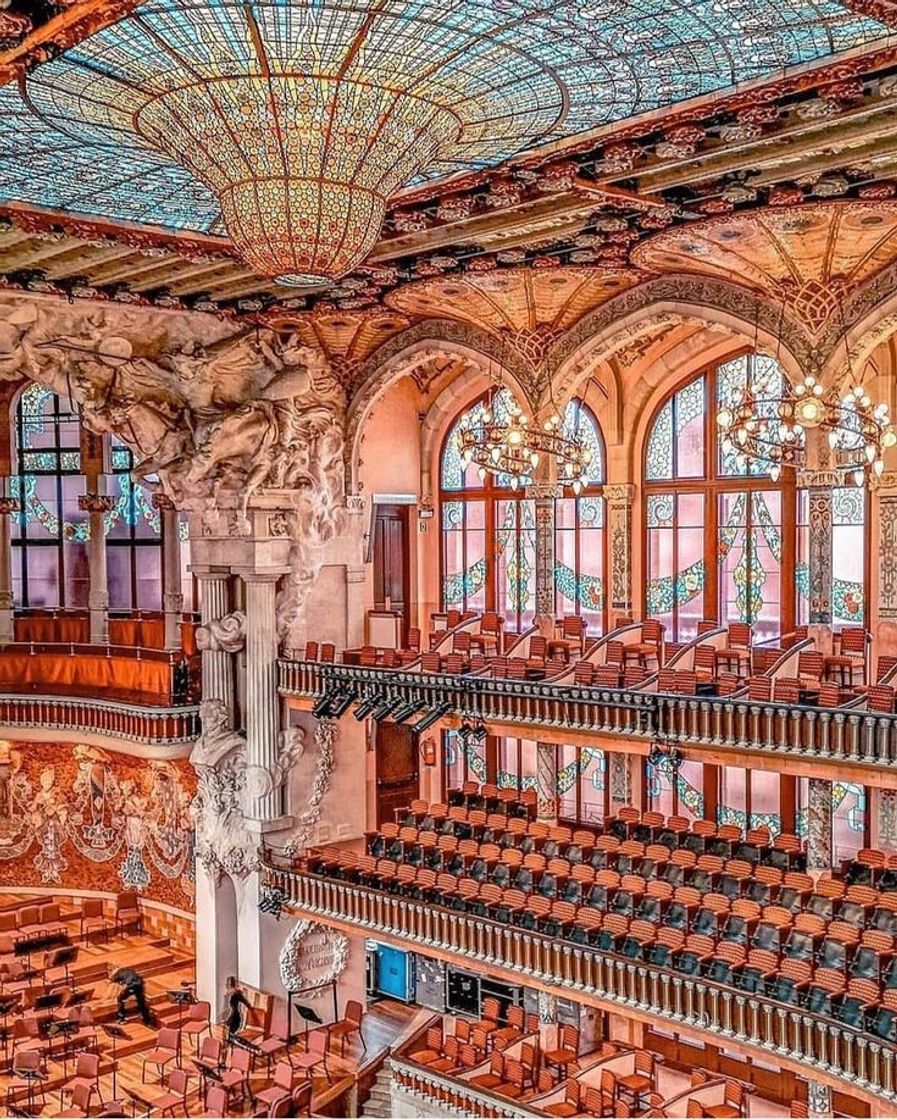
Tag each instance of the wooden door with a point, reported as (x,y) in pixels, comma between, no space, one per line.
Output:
(392,568)
(398,780)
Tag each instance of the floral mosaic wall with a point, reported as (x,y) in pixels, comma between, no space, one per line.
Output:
(76,816)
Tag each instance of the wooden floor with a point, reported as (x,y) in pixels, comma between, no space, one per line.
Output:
(164,969)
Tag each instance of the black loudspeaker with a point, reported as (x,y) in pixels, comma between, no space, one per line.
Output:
(463,991)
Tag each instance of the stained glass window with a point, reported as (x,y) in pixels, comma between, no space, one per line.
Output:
(488,536)
(849,817)
(133,539)
(582,784)
(49,535)
(849,530)
(714,529)
(579,530)
(675,791)
(749,799)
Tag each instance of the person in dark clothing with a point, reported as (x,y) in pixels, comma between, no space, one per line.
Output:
(131,984)
(234,1000)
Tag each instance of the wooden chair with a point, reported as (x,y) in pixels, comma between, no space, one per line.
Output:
(848,664)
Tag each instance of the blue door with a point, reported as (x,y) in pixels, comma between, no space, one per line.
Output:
(393,973)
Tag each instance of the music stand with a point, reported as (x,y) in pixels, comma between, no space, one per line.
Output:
(65,1028)
(8,1004)
(114,1032)
(308,1014)
(179,997)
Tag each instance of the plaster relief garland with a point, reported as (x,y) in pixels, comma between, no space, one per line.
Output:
(227,634)
(299,971)
(325,740)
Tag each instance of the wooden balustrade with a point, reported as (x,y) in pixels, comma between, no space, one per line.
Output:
(705,721)
(416,1083)
(777,1030)
(159,726)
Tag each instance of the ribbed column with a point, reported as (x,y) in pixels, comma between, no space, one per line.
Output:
(8,507)
(172,596)
(217,677)
(546,782)
(819,825)
(262,703)
(97,505)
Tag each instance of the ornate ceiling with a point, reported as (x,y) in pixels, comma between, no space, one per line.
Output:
(543,300)
(525,247)
(810,257)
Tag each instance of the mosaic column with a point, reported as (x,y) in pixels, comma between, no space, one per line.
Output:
(820,554)
(8,507)
(172,596)
(97,505)
(262,701)
(819,1099)
(217,675)
(547,782)
(619,777)
(819,825)
(887,819)
(544,494)
(619,500)
(887,555)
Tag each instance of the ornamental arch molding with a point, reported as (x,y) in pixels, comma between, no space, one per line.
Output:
(672,300)
(868,318)
(407,352)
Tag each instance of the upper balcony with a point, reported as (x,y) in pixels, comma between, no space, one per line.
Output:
(789,699)
(53,678)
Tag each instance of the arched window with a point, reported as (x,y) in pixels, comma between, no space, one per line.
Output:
(49,534)
(488,536)
(715,545)
(579,529)
(489,533)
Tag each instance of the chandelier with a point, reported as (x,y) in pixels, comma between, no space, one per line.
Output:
(498,439)
(769,429)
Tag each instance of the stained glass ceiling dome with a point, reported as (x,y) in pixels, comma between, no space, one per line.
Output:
(295,121)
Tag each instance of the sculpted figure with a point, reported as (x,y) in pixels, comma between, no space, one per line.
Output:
(218,738)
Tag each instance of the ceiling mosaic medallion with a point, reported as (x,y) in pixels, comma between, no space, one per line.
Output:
(290,124)
(809,257)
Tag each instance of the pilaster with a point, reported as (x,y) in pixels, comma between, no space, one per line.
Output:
(172,597)
(97,504)
(546,782)
(819,826)
(217,674)
(263,792)
(820,554)
(544,494)
(619,500)
(8,507)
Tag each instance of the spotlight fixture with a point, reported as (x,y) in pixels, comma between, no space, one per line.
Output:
(432,717)
(341,704)
(388,706)
(272,901)
(406,710)
(366,706)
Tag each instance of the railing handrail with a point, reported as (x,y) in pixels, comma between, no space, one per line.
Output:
(135,722)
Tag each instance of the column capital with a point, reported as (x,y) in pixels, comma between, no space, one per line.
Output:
(819,479)
(96,503)
(620,493)
(544,491)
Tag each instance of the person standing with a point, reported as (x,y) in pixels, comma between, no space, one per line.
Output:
(234,1001)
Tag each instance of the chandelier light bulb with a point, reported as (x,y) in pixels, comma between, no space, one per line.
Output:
(889,439)
(878,466)
(859,477)
(724,419)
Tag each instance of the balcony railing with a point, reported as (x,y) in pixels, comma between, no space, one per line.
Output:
(418,1085)
(740,724)
(860,1059)
(158,726)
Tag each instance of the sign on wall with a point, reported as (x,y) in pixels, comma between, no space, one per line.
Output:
(312,956)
